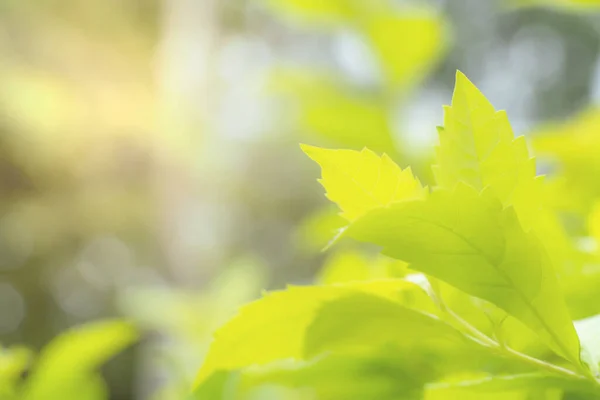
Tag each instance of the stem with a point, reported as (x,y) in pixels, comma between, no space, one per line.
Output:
(507,351)
(502,350)
(536,362)
(473,331)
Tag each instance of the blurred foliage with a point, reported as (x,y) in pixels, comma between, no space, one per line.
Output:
(149,167)
(339,112)
(187,319)
(67,367)
(572,148)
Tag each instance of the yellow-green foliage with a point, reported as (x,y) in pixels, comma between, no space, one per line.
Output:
(484,235)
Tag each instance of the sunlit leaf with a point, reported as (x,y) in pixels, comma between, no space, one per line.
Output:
(361,181)
(469,241)
(477,147)
(273,328)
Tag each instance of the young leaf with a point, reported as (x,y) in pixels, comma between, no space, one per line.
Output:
(477,147)
(467,240)
(361,181)
(273,328)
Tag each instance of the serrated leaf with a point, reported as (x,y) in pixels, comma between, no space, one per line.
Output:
(467,240)
(359,181)
(273,328)
(478,147)
(68,363)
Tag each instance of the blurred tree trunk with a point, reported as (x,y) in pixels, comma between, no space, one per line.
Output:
(184,79)
(185,96)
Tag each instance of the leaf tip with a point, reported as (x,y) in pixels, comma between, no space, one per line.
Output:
(307,148)
(461,78)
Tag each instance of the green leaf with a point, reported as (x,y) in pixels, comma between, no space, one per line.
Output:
(66,366)
(273,328)
(477,147)
(467,240)
(359,323)
(361,181)
(343,377)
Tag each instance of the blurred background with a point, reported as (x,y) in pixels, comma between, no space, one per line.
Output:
(149,158)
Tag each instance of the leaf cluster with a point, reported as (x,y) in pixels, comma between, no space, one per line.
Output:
(480,312)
